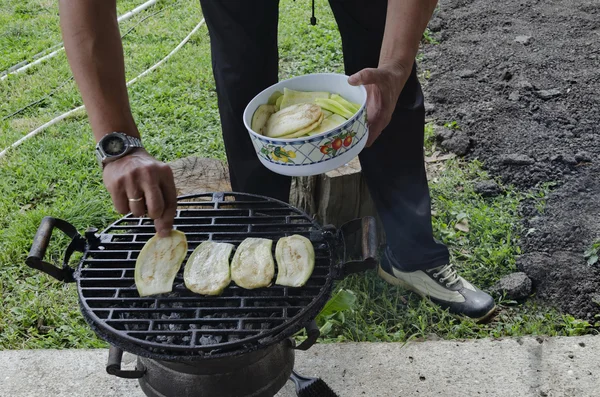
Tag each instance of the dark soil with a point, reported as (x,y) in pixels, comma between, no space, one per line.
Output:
(522,79)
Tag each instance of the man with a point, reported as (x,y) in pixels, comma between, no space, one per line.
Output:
(380,41)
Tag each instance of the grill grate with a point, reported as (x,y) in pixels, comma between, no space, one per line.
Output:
(183,323)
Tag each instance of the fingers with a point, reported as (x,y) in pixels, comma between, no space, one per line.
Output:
(139,184)
(155,203)
(119,198)
(135,199)
(164,223)
(365,77)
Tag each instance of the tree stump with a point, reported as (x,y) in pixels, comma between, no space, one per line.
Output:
(333,198)
(200,175)
(336,197)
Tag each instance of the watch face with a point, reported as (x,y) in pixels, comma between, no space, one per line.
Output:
(113,146)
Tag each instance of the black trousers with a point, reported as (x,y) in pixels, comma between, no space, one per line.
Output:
(245,61)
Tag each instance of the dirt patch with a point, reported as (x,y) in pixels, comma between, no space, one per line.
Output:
(522,79)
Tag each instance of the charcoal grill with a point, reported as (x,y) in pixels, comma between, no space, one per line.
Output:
(193,345)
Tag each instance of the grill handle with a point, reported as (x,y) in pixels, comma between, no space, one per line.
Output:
(113,365)
(41,240)
(312,333)
(369,245)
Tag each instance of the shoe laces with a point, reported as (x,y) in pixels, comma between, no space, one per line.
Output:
(447,274)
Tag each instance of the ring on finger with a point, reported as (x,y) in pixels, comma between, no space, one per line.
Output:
(135,200)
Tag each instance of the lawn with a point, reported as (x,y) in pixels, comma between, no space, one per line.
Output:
(175,107)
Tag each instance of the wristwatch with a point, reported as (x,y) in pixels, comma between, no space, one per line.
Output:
(115,145)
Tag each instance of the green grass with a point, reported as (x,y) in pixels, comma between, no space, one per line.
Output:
(56,174)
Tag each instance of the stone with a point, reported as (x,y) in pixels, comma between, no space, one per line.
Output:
(548,94)
(436,24)
(487,188)
(570,160)
(515,286)
(459,143)
(525,40)
(443,133)
(466,73)
(517,159)
(583,157)
(514,96)
(506,75)
(429,108)
(526,85)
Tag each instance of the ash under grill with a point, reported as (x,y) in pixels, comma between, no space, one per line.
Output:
(185,324)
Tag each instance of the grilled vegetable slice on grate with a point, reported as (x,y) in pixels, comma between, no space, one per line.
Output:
(207,269)
(295,260)
(253,265)
(158,263)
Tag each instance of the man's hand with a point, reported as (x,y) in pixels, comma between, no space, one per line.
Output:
(139,175)
(384,86)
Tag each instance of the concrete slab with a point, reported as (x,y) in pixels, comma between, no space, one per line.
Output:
(552,367)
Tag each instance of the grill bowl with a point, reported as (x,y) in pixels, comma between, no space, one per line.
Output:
(185,324)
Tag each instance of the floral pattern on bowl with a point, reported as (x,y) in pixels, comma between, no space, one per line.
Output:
(313,150)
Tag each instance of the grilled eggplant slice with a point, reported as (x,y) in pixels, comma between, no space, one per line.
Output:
(207,269)
(158,263)
(295,260)
(253,265)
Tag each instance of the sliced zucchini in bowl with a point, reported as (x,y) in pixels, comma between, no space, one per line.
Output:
(253,265)
(158,263)
(295,260)
(207,269)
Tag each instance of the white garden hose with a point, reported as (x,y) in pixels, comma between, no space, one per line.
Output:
(24,67)
(73,111)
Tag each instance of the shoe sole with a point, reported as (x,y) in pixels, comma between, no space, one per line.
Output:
(400,283)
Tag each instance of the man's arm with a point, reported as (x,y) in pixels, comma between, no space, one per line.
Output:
(93,45)
(406,21)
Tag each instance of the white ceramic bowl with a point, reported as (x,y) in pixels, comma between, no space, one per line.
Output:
(315,154)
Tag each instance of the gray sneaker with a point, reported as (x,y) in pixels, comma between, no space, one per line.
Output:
(443,286)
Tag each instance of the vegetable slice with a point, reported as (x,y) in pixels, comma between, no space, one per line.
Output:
(292,97)
(334,107)
(329,123)
(261,116)
(253,265)
(295,260)
(348,105)
(305,131)
(292,119)
(274,97)
(158,263)
(326,113)
(278,103)
(207,269)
